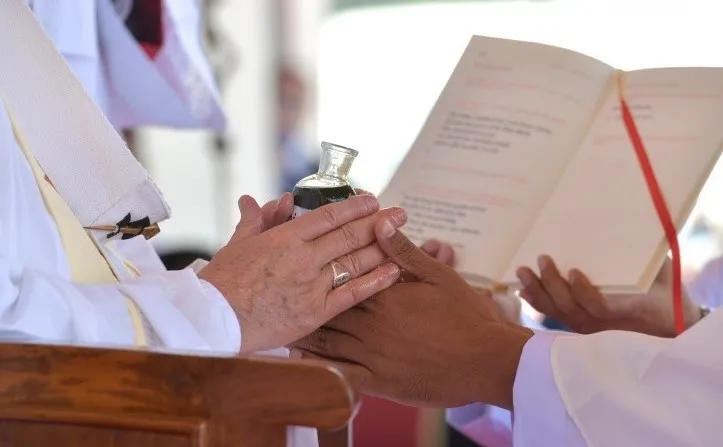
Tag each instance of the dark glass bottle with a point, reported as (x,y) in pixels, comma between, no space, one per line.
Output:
(330,184)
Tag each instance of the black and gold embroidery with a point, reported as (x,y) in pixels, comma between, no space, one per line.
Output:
(128,228)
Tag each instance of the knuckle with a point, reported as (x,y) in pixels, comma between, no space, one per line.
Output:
(330,215)
(350,237)
(363,205)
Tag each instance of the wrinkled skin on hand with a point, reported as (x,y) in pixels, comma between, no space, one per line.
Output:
(277,277)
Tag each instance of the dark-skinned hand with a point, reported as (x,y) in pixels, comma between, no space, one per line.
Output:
(437,341)
(579,305)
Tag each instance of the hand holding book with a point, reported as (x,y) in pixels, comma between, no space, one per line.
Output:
(575,302)
(525,153)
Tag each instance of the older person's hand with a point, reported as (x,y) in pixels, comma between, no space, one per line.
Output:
(274,213)
(576,303)
(421,342)
(278,276)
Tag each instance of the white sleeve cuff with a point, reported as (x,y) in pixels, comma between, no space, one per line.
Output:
(186,312)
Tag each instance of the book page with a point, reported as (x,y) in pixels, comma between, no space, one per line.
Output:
(601,218)
(501,133)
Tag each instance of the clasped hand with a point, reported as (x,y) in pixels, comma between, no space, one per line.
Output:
(276,275)
(420,341)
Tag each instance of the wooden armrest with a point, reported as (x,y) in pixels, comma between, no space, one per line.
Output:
(63,396)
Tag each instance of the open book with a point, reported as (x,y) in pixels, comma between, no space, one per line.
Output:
(525,153)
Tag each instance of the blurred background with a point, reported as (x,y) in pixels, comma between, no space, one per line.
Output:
(365,74)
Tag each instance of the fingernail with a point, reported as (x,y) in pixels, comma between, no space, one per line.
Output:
(543,262)
(295,354)
(572,276)
(243,205)
(524,276)
(371,203)
(399,216)
(387,228)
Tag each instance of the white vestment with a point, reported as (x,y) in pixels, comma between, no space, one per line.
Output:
(40,301)
(118,296)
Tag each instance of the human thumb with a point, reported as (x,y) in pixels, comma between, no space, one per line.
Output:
(405,253)
(252,218)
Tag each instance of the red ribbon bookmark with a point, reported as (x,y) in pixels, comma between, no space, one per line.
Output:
(661,207)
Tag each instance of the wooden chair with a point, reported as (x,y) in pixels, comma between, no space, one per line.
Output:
(69,396)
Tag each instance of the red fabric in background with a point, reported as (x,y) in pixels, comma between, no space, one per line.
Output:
(145,22)
(380,423)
